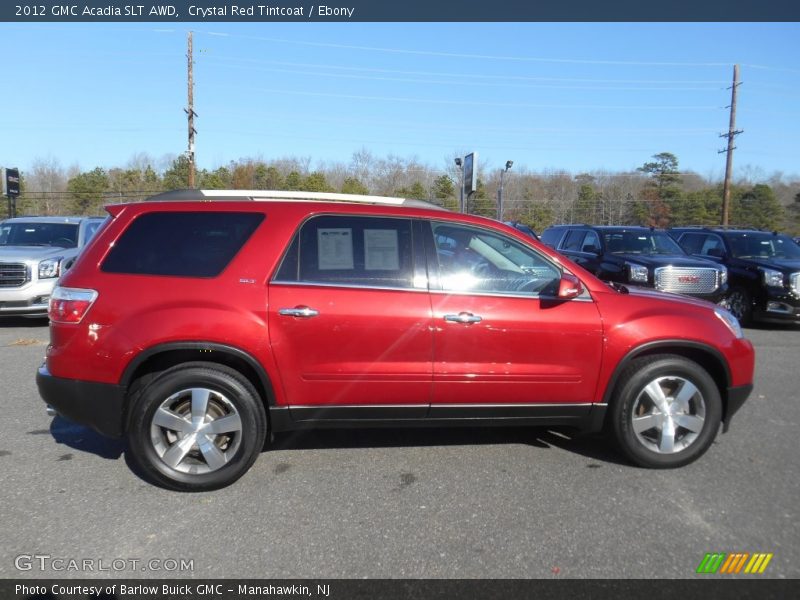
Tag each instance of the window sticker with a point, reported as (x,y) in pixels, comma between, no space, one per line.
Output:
(335,248)
(381,250)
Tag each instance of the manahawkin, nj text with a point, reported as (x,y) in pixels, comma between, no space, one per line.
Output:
(193,12)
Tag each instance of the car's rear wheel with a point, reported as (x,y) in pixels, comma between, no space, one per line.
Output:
(196,427)
(667,411)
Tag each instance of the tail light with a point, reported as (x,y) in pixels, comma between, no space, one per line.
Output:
(69,305)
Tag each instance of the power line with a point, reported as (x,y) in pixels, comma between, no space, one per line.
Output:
(479,103)
(468,83)
(474,56)
(468,75)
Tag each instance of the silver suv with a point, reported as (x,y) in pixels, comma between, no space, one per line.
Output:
(33,253)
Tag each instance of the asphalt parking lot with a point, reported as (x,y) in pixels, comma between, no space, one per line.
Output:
(447,503)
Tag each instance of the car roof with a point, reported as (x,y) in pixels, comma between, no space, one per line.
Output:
(73,220)
(287,196)
(606,227)
(722,229)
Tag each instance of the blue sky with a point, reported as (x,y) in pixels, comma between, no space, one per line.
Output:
(579,96)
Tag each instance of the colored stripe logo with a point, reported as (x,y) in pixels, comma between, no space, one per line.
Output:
(734,563)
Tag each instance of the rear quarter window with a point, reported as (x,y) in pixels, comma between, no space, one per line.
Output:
(181,244)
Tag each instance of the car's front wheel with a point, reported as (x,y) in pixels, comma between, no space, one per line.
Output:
(667,411)
(196,427)
(740,305)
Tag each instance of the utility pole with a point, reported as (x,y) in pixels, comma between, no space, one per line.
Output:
(190,112)
(732,133)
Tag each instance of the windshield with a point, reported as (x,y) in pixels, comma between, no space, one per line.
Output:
(62,235)
(641,242)
(763,245)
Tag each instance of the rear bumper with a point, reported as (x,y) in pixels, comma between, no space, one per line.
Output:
(96,405)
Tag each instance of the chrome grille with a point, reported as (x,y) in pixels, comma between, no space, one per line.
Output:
(13,275)
(683,280)
(794,282)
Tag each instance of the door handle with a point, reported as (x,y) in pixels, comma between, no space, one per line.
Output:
(304,312)
(463,317)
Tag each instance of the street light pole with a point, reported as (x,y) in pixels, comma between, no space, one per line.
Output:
(459,164)
(500,191)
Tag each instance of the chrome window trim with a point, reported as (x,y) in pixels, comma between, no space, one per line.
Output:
(279,265)
(583,298)
(349,286)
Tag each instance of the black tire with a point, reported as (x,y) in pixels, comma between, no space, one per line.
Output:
(740,305)
(635,399)
(190,457)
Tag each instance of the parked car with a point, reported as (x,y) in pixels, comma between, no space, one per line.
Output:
(764,269)
(523,228)
(33,253)
(194,329)
(639,256)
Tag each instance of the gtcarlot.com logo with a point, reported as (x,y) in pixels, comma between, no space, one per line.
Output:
(734,563)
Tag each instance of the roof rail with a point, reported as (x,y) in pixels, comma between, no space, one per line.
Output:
(723,227)
(277,195)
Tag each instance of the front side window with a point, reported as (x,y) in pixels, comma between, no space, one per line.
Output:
(591,243)
(574,240)
(476,260)
(350,251)
(693,242)
(181,244)
(91,229)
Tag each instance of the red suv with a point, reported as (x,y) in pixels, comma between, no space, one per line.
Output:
(195,328)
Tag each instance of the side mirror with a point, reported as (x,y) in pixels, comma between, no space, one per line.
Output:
(717,252)
(569,287)
(591,250)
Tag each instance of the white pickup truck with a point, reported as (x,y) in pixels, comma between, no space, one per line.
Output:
(33,253)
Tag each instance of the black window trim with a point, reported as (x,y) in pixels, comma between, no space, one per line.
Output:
(115,242)
(415,254)
(434,281)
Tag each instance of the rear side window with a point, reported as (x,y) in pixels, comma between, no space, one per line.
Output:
(349,250)
(181,244)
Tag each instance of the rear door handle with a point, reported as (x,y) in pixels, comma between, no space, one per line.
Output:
(463,317)
(304,312)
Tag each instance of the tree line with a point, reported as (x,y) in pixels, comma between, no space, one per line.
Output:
(657,194)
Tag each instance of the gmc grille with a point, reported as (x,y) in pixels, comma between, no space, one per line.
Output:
(683,280)
(794,282)
(13,275)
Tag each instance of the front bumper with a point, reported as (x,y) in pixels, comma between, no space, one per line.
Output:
(736,397)
(30,299)
(96,405)
(714,297)
(778,306)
